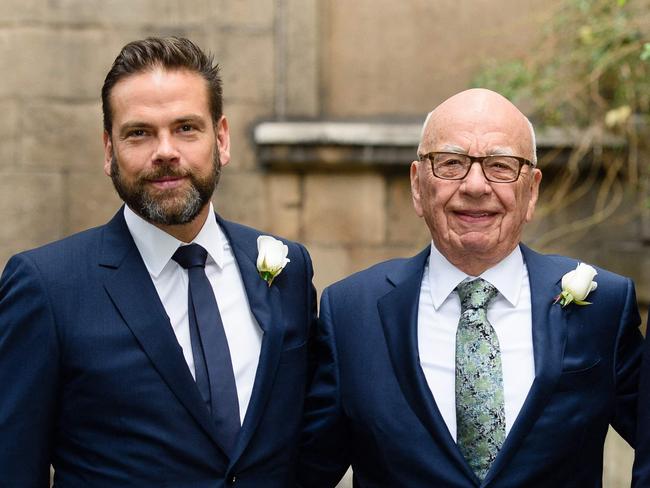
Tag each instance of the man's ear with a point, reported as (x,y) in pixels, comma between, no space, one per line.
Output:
(415,189)
(222,134)
(536,179)
(108,153)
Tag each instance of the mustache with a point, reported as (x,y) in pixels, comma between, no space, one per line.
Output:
(164,170)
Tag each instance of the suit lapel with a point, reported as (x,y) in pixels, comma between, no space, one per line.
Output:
(134,295)
(549,324)
(265,305)
(398,311)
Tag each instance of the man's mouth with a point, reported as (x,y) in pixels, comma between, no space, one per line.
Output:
(166,182)
(474,215)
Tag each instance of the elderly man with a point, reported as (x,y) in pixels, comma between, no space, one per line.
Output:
(458,367)
(159,349)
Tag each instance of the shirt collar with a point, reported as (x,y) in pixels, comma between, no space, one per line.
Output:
(506,276)
(157,246)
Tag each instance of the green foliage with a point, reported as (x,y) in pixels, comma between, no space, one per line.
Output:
(645,54)
(593,58)
(512,77)
(590,69)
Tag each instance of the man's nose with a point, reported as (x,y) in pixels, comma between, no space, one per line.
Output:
(475,182)
(166,149)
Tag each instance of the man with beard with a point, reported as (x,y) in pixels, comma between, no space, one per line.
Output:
(156,350)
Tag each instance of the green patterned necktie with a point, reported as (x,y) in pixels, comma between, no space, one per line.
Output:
(480,411)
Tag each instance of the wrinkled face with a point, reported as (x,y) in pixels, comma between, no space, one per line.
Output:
(475,223)
(164,152)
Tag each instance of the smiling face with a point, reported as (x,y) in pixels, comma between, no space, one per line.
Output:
(164,152)
(475,223)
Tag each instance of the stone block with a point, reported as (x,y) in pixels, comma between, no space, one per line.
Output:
(335,262)
(9,59)
(90,200)
(362,257)
(31,210)
(330,264)
(346,209)
(248,67)
(65,63)
(59,63)
(283,205)
(8,134)
(127,12)
(387,57)
(242,197)
(302,60)
(404,226)
(58,135)
(241,117)
(566,226)
(257,14)
(21,10)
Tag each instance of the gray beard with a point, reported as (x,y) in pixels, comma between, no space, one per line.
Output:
(160,210)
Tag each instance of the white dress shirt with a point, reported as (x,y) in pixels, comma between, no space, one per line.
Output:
(510,316)
(171,281)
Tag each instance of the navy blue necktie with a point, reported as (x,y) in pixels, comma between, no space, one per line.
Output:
(213,367)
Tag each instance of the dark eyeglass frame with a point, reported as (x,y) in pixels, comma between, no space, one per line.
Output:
(476,159)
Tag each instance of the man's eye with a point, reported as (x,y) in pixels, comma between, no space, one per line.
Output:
(135,133)
(502,165)
(186,128)
(451,162)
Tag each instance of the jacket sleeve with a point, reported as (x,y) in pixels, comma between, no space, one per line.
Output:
(641,471)
(29,365)
(324,455)
(627,365)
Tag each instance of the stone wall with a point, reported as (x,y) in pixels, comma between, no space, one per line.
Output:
(54,55)
(378,60)
(281,59)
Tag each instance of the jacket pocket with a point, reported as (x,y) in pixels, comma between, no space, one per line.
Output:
(294,353)
(580,378)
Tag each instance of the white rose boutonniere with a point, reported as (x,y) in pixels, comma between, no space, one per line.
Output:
(271,257)
(576,285)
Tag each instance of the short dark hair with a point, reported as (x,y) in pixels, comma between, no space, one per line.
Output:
(169,53)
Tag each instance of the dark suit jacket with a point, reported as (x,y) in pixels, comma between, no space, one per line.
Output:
(93,380)
(641,474)
(370,404)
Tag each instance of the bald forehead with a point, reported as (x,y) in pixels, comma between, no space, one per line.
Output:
(478,111)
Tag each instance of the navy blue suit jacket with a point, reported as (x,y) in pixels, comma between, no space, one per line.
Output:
(93,380)
(370,405)
(641,477)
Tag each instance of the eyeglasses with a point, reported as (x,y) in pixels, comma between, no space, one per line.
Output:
(497,169)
